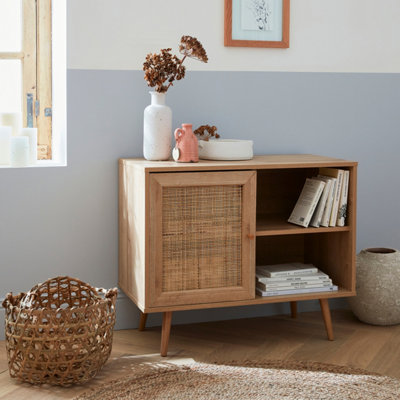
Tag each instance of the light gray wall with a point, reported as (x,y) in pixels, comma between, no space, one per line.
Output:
(63,221)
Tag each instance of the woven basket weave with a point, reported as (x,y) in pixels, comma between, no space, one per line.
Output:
(201,237)
(60,332)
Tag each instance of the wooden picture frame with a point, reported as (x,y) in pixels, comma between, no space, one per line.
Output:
(243,28)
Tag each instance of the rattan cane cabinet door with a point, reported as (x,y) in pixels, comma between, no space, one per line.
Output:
(202,230)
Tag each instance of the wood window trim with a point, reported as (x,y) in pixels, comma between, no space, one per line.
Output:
(29,57)
(44,75)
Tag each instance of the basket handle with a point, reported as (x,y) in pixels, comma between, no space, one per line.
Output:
(11,300)
(60,278)
(8,300)
(109,293)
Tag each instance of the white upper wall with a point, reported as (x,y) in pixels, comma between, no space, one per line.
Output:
(325,35)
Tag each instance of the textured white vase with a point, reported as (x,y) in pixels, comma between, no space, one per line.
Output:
(157,132)
(378,281)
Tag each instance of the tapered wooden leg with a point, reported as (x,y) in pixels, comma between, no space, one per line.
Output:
(166,329)
(293,309)
(326,313)
(142,322)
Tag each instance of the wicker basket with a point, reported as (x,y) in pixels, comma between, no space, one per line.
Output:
(60,332)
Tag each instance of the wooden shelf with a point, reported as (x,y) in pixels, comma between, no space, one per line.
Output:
(257,300)
(273,225)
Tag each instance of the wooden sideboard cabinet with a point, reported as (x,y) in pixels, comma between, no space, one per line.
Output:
(191,234)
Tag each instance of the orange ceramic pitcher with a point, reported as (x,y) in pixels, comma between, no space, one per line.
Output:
(186,148)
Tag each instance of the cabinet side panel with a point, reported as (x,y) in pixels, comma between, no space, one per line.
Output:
(122,227)
(132,195)
(352,220)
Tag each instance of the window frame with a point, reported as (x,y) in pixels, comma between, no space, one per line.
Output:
(36,65)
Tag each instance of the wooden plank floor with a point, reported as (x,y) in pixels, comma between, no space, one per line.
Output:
(356,344)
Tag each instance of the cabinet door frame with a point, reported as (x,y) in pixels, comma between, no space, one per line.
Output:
(248,180)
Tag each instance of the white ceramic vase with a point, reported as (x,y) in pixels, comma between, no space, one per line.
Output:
(157,132)
(378,280)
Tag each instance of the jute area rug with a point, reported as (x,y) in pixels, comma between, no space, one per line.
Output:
(259,380)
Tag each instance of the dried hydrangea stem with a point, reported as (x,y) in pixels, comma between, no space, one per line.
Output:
(162,69)
(179,65)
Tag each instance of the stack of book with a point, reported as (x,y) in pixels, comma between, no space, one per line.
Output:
(323,200)
(293,278)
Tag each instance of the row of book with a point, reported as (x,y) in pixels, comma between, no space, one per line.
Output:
(323,200)
(292,278)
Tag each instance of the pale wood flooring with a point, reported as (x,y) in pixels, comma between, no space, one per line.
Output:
(356,344)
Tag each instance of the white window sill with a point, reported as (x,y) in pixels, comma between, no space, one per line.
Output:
(40,163)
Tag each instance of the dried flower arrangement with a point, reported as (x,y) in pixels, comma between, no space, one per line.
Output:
(205,132)
(161,70)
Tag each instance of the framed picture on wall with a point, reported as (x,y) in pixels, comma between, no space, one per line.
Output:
(257,23)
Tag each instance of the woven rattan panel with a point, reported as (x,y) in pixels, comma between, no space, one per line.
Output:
(201,236)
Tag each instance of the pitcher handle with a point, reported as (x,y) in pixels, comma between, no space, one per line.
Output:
(179,132)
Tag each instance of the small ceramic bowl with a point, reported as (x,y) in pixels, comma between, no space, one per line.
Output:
(226,149)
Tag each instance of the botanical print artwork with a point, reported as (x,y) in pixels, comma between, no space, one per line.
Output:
(257,15)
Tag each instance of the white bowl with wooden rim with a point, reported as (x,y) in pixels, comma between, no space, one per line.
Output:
(226,149)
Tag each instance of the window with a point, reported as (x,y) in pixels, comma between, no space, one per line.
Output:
(26,66)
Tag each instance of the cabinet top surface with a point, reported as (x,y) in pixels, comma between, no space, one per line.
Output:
(258,162)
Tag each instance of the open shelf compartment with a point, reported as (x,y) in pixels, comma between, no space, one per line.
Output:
(277,194)
(331,252)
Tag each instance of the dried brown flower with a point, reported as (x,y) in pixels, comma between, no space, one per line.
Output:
(163,68)
(205,132)
(191,47)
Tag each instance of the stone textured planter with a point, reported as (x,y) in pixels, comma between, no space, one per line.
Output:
(378,287)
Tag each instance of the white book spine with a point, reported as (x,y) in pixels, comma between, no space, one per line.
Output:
(342,210)
(291,285)
(306,203)
(296,278)
(314,205)
(317,216)
(289,273)
(329,201)
(335,206)
(263,293)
